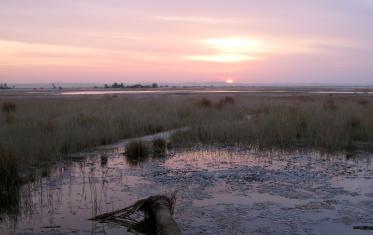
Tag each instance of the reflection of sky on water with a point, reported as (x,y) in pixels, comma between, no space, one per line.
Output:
(209,182)
(206,91)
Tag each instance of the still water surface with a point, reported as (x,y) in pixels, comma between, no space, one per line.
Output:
(69,93)
(220,191)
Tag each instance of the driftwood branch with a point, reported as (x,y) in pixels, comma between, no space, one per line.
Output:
(156,216)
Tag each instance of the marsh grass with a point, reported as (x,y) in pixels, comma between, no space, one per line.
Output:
(8,171)
(9,183)
(45,129)
(42,129)
(325,123)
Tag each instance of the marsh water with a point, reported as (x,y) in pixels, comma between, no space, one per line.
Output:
(220,191)
(266,91)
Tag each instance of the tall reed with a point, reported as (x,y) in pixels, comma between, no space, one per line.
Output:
(48,128)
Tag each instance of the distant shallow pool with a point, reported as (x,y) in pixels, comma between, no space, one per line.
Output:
(69,93)
(163,92)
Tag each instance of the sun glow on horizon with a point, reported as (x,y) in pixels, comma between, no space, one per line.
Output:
(231,50)
(236,45)
(229,81)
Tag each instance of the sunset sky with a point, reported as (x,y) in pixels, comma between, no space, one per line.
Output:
(269,41)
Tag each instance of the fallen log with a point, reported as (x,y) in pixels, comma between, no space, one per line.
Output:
(157,217)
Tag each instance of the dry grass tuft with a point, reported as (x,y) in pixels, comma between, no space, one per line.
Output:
(363,102)
(159,146)
(228,100)
(204,102)
(137,150)
(9,107)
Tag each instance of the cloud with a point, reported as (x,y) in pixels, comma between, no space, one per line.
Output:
(16,53)
(193,19)
(221,58)
(241,49)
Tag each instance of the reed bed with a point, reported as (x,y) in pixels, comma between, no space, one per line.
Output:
(9,183)
(42,129)
(327,123)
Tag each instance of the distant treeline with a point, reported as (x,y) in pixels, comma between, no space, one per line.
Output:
(4,86)
(121,85)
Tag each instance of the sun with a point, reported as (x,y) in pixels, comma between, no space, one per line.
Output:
(229,81)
